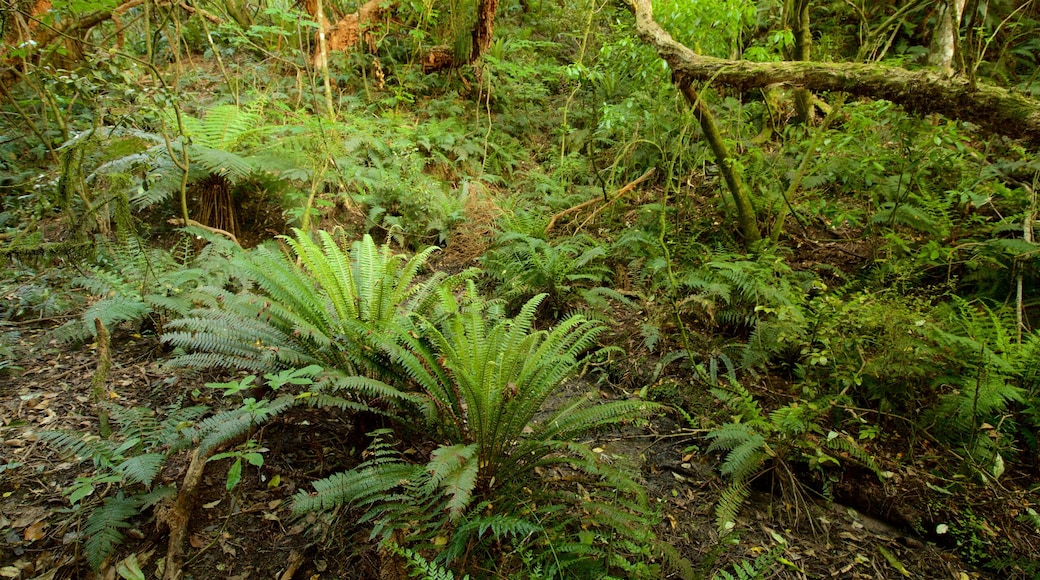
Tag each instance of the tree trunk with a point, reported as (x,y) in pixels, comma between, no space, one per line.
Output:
(944,39)
(803,98)
(922,92)
(746,217)
(484,28)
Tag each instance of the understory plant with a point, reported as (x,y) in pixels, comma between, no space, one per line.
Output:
(484,380)
(565,271)
(320,305)
(771,444)
(145,287)
(129,462)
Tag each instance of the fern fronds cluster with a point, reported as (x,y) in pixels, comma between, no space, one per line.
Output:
(321,306)
(130,284)
(757,443)
(131,460)
(481,379)
(526,265)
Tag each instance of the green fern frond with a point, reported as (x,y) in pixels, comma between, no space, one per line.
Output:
(82,445)
(842,442)
(454,470)
(221,428)
(361,487)
(141,468)
(730,502)
(421,567)
(103,527)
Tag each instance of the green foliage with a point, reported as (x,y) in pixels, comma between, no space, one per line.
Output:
(986,363)
(324,307)
(421,567)
(131,460)
(757,443)
(483,378)
(524,265)
(131,284)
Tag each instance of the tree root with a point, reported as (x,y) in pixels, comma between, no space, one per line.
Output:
(178,517)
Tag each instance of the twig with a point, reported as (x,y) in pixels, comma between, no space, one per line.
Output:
(98,388)
(295,561)
(191,222)
(621,192)
(627,188)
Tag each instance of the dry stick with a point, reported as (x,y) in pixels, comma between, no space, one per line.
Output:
(594,201)
(191,222)
(97,383)
(296,560)
(617,196)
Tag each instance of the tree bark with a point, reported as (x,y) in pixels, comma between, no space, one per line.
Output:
(922,92)
(803,98)
(944,39)
(484,28)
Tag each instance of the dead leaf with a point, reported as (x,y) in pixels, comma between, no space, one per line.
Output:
(35,531)
(197,542)
(30,516)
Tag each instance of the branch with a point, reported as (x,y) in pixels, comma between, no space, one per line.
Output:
(922,92)
(191,222)
(627,188)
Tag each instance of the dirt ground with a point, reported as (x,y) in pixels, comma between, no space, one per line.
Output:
(250,532)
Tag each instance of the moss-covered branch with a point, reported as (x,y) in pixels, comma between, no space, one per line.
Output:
(922,91)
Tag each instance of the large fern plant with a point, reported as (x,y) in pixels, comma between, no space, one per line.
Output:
(484,380)
(315,305)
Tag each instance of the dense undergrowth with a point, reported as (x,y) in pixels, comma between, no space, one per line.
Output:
(438,255)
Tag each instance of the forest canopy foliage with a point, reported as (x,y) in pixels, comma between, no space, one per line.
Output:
(502,253)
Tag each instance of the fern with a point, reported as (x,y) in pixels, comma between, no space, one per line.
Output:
(103,527)
(331,309)
(756,443)
(132,459)
(131,284)
(526,265)
(421,567)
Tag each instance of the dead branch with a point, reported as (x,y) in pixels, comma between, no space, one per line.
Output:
(627,188)
(180,222)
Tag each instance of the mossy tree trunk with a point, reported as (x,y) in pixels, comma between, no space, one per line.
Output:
(921,92)
(803,98)
(746,218)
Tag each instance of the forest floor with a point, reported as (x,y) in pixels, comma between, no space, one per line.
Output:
(250,532)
